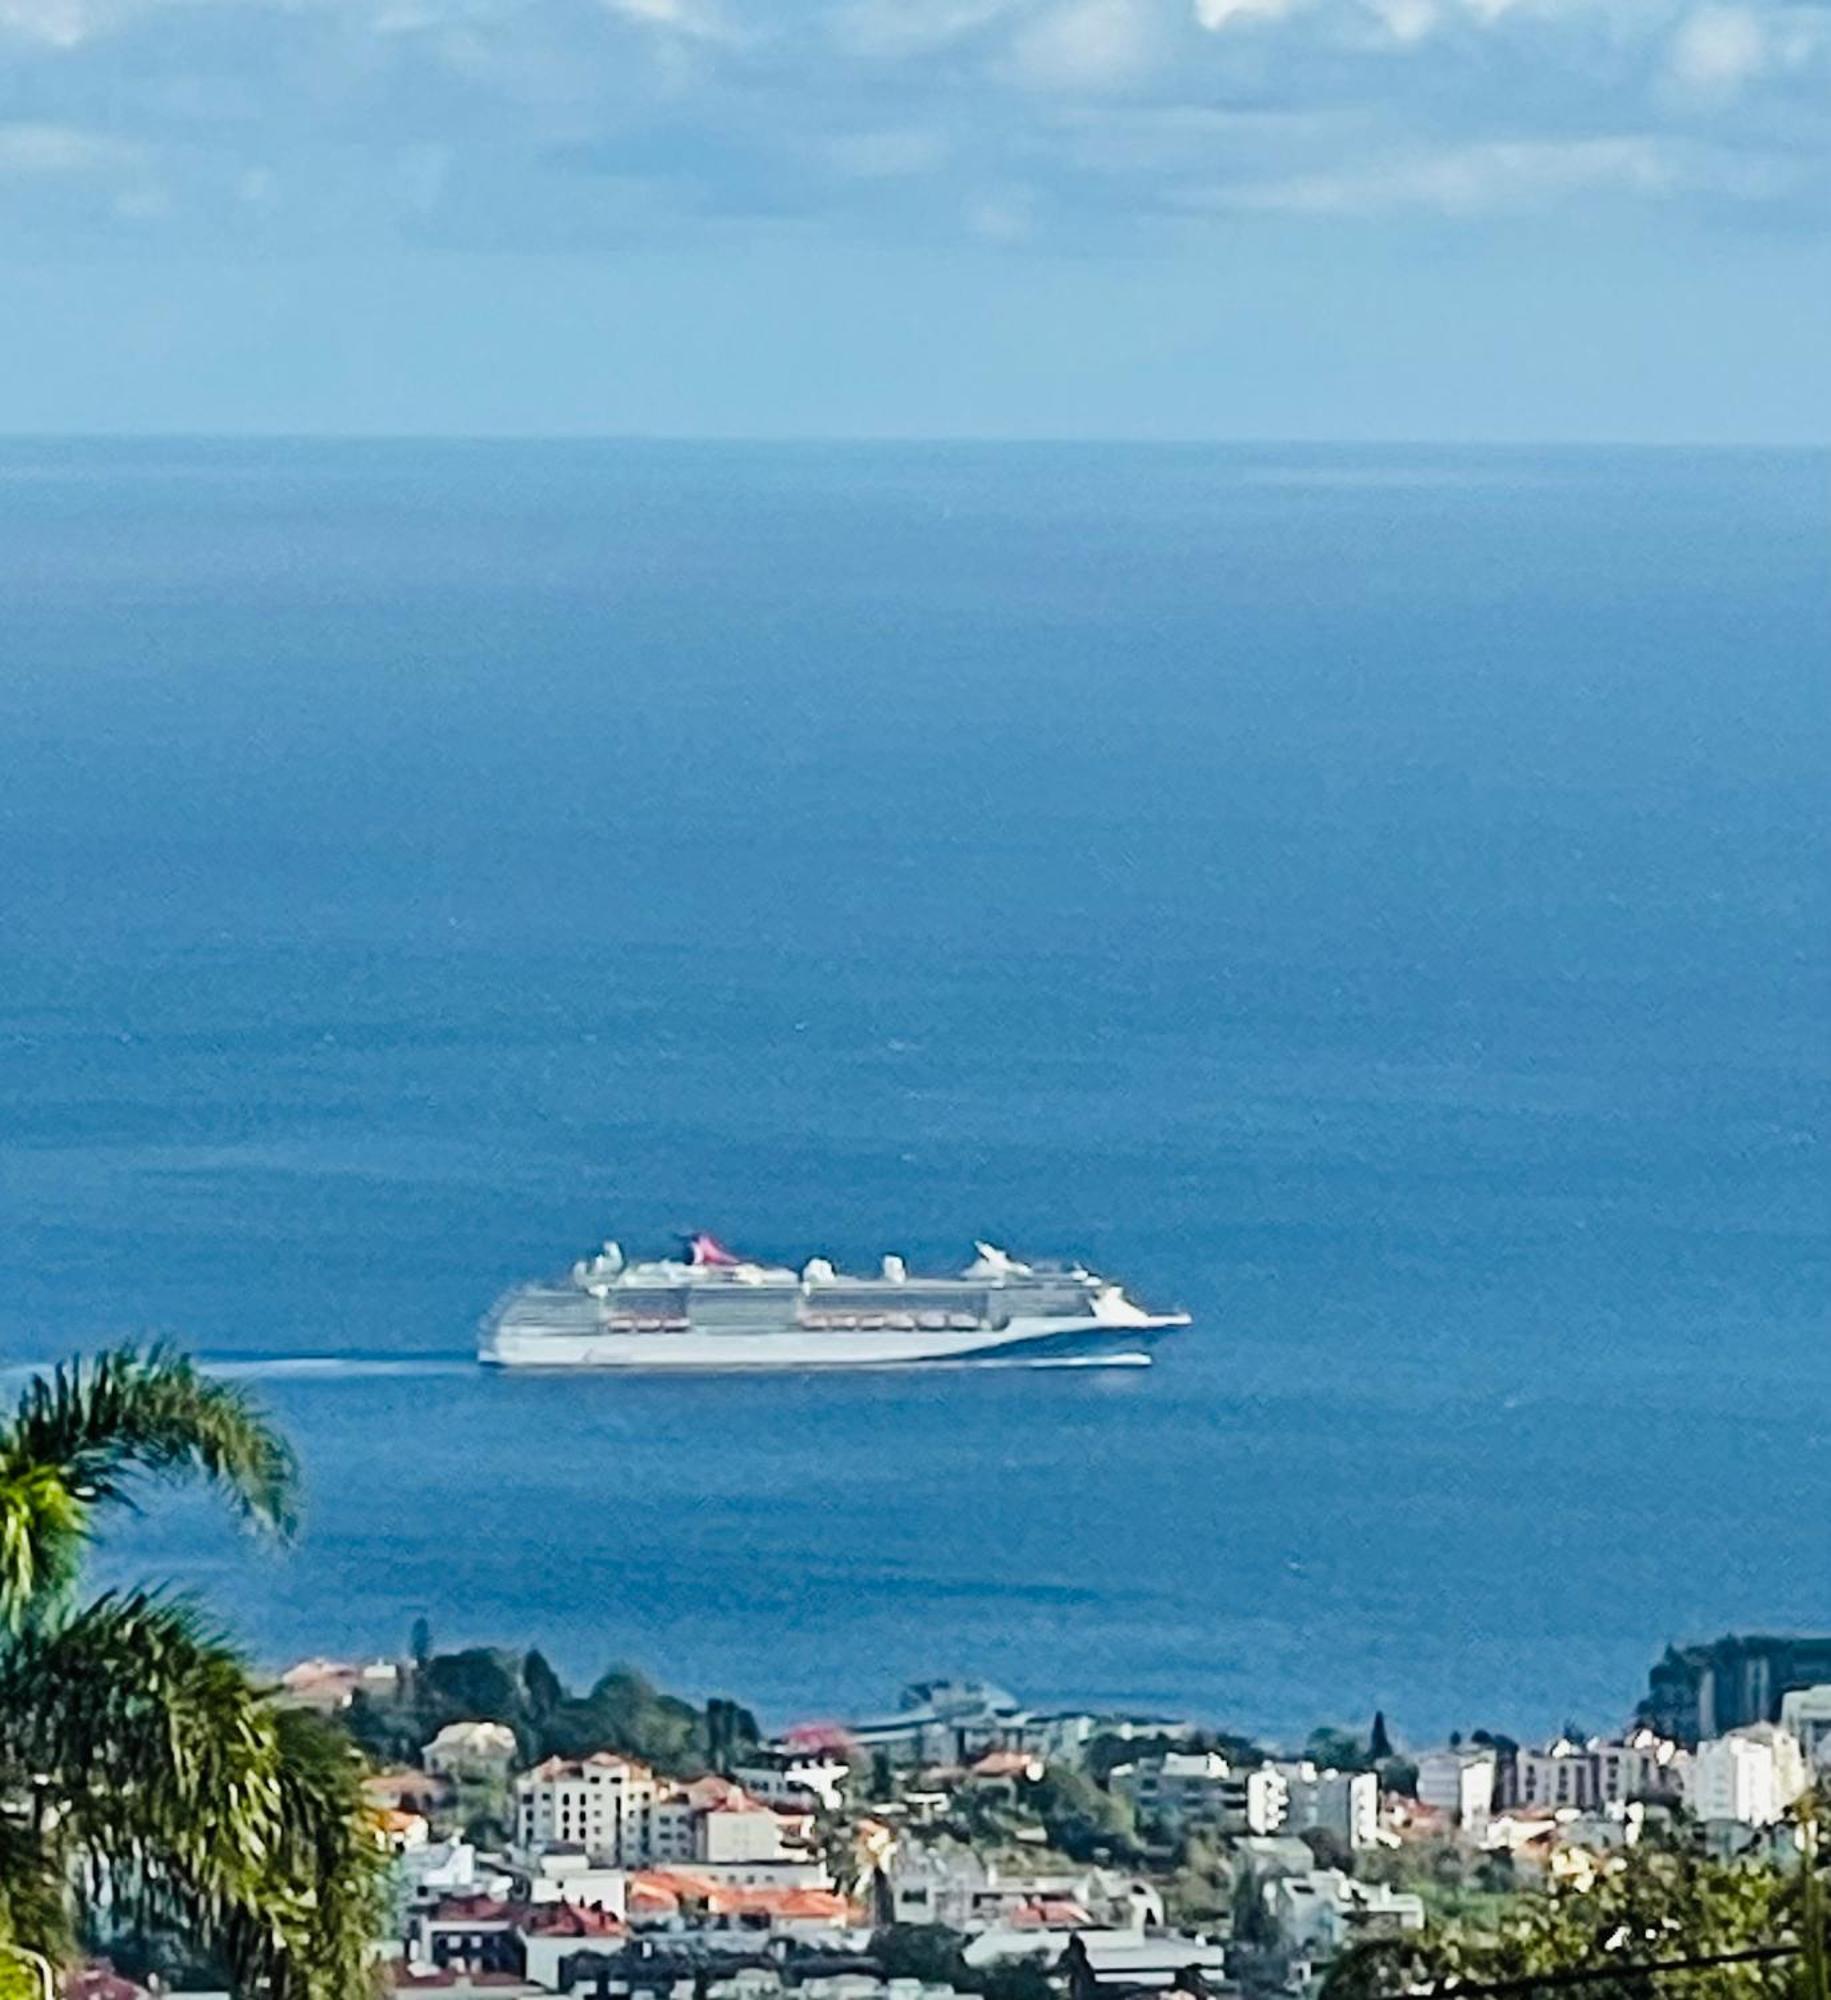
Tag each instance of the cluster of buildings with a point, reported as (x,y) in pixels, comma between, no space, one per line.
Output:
(600,1878)
(1735,1788)
(1178,1789)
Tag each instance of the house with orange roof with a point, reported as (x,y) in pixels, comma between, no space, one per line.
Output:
(403,1831)
(331,1685)
(421,1792)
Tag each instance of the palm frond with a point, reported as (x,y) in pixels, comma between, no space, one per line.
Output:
(43,1531)
(132,1410)
(193,1802)
(34,1895)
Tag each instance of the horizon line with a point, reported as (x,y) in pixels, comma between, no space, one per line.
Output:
(938,439)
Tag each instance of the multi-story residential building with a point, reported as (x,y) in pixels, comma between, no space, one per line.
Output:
(1805,1714)
(1316,1914)
(809,1780)
(954,1722)
(618,1814)
(1459,1783)
(1641,1765)
(1562,1774)
(1749,1776)
(604,1804)
(1183,1787)
(1344,1803)
(954,1885)
(1597,1773)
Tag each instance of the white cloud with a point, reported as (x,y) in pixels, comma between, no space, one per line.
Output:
(44,151)
(1215,15)
(62,24)
(1468,180)
(1406,21)
(1088,45)
(891,30)
(688,18)
(1718,49)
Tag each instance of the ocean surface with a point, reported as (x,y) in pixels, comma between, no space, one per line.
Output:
(1376,899)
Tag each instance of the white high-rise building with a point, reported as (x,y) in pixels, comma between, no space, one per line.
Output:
(601,1804)
(1805,1714)
(1201,1785)
(1344,1803)
(1750,1776)
(1459,1782)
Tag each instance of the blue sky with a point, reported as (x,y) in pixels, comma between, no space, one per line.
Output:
(1458,219)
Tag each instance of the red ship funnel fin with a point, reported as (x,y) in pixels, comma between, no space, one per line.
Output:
(709,1250)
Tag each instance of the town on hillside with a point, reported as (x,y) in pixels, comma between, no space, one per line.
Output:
(620,1842)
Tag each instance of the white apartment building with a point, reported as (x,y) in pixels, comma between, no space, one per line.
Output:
(1316,1914)
(1344,1803)
(1562,1774)
(1459,1782)
(616,1813)
(1642,1765)
(603,1804)
(1202,1785)
(1749,1776)
(1805,1714)
(1585,1776)
(810,1783)
(947,1883)
(740,1829)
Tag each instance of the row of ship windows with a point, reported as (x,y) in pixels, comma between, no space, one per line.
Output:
(816,1322)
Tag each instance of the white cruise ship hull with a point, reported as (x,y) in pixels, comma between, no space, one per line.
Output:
(1022,1342)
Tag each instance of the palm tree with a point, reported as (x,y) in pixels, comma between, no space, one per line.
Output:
(144,1778)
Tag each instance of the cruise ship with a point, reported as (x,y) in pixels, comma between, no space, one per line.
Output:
(711,1310)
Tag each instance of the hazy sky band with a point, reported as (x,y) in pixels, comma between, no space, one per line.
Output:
(1358,218)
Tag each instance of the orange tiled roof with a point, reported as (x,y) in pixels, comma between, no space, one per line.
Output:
(572,1920)
(1003,1764)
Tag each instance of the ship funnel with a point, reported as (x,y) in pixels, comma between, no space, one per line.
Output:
(895,1271)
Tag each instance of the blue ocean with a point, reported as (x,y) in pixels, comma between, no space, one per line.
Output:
(1375,899)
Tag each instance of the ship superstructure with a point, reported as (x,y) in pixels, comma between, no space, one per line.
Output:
(710,1309)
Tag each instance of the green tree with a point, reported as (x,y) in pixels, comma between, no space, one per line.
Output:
(1379,1741)
(1328,1848)
(1653,1909)
(143,1777)
(1083,1820)
(928,1952)
(1019,1979)
(542,1686)
(1203,1888)
(1337,1750)
(479,1684)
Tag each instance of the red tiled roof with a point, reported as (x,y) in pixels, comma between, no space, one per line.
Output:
(665,1889)
(1003,1764)
(572,1920)
(1052,1913)
(477,1910)
(101,1982)
(815,1903)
